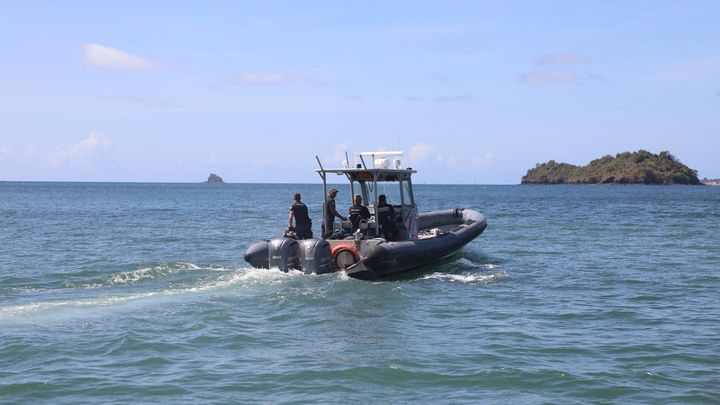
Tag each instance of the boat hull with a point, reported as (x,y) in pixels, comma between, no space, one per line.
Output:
(389,258)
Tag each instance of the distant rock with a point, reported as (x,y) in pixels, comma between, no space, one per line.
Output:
(711,182)
(214,178)
(641,167)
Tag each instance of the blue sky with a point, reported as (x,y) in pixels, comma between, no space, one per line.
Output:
(472,91)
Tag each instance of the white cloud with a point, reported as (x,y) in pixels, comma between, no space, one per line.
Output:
(460,98)
(82,150)
(452,162)
(215,160)
(484,161)
(270,78)
(339,155)
(551,76)
(420,152)
(263,162)
(5,152)
(106,57)
(29,151)
(564,58)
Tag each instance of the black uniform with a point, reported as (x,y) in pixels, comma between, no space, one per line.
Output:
(330,214)
(358,212)
(303,224)
(386,219)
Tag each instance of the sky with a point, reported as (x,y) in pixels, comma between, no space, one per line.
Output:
(471,91)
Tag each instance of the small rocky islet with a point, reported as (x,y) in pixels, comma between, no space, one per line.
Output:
(214,178)
(641,167)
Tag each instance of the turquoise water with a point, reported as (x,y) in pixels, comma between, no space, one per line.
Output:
(124,293)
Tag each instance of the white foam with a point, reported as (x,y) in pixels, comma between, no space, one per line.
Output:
(98,302)
(469,263)
(248,277)
(147,273)
(466,277)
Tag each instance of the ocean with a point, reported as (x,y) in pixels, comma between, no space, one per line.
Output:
(138,293)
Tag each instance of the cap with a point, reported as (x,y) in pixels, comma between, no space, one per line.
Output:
(381,197)
(333,189)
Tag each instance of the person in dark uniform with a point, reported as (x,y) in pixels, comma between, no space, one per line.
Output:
(386,218)
(358,212)
(303,224)
(330,214)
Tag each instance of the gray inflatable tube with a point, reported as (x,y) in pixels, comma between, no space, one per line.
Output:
(442,234)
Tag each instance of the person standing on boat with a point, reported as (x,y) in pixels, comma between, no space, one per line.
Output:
(303,224)
(330,214)
(386,218)
(358,212)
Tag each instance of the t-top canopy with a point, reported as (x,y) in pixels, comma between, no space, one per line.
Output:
(370,174)
(382,153)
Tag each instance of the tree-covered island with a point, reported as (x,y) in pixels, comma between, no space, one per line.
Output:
(641,167)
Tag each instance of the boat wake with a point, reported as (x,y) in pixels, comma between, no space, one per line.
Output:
(178,282)
(464,270)
(148,273)
(467,277)
(464,262)
(122,290)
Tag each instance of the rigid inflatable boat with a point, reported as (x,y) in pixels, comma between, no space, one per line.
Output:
(418,238)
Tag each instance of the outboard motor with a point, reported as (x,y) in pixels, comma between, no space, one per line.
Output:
(257,255)
(284,253)
(316,256)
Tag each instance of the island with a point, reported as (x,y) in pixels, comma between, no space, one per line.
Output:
(711,182)
(641,167)
(214,178)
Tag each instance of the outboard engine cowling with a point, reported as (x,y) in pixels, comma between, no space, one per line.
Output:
(284,253)
(316,256)
(257,255)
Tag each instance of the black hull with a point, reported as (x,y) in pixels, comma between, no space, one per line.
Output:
(392,258)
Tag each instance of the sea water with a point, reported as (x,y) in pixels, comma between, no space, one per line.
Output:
(138,293)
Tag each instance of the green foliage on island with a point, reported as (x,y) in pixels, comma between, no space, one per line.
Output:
(641,167)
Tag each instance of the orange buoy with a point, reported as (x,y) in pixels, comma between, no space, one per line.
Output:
(344,256)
